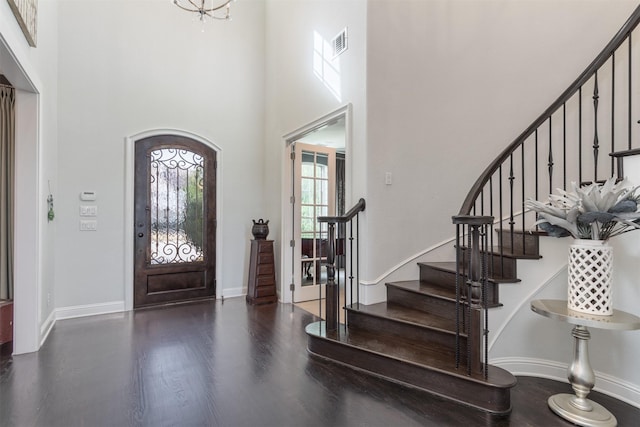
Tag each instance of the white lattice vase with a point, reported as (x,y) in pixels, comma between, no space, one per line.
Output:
(590,277)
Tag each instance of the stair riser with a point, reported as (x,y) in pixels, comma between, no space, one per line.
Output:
(429,304)
(448,279)
(500,266)
(436,276)
(504,267)
(523,243)
(421,336)
(459,389)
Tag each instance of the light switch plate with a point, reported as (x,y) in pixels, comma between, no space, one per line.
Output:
(88,225)
(88,196)
(88,210)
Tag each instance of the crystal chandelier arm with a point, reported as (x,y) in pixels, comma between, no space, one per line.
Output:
(213,9)
(201,8)
(224,17)
(177,3)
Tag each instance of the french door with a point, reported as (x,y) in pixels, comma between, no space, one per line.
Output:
(175,220)
(314,196)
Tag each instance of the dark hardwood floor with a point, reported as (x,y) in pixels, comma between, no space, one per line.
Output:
(227,364)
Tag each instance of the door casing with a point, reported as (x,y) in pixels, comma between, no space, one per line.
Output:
(129,226)
(287,267)
(174,276)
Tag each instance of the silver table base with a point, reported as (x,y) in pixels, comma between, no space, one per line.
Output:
(577,408)
(564,405)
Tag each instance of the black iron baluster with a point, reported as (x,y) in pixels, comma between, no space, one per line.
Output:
(524,251)
(351,261)
(596,142)
(458,249)
(564,146)
(511,197)
(613,108)
(537,165)
(629,95)
(500,219)
(468,301)
(580,135)
(550,161)
(358,258)
(501,239)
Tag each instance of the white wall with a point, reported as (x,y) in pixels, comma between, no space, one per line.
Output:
(132,66)
(47,60)
(450,83)
(296,96)
(33,72)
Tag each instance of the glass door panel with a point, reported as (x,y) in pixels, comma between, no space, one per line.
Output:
(315,173)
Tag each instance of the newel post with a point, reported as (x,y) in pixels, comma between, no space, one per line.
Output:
(472,250)
(332,289)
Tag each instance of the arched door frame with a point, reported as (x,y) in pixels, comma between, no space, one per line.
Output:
(129,227)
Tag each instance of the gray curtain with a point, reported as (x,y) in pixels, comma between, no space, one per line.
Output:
(7,148)
(340,208)
(340,184)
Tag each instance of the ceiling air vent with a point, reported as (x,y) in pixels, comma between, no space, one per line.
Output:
(339,43)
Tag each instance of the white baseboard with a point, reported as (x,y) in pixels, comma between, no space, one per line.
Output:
(89,310)
(606,384)
(47,326)
(232,292)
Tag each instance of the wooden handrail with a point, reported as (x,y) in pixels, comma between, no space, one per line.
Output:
(358,207)
(600,60)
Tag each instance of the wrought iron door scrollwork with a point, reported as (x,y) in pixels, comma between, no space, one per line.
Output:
(177,206)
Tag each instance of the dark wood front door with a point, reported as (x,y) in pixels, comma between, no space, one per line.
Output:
(175,220)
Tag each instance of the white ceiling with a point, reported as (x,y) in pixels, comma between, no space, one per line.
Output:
(331,135)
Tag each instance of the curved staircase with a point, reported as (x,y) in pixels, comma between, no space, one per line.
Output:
(431,333)
(410,339)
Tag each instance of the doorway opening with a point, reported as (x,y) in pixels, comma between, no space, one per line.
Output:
(32,312)
(318,183)
(7,177)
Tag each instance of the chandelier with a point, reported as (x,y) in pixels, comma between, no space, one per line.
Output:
(213,10)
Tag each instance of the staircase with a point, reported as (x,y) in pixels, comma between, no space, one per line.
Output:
(411,338)
(431,334)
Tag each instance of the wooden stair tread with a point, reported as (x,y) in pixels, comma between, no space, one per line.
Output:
(405,352)
(532,232)
(442,265)
(406,314)
(497,251)
(426,288)
(450,267)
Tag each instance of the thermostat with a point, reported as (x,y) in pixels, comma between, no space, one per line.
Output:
(88,195)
